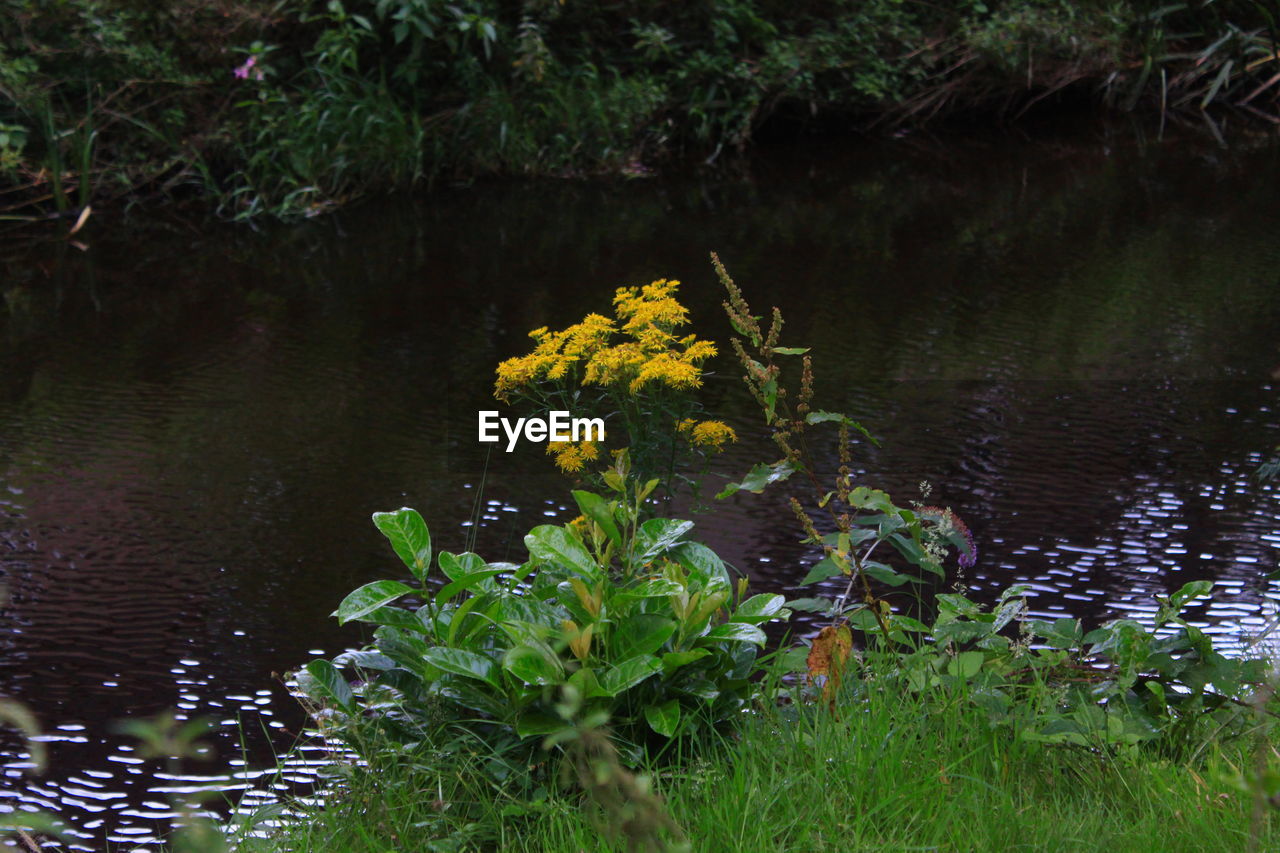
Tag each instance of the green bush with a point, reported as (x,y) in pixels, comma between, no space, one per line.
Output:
(636,620)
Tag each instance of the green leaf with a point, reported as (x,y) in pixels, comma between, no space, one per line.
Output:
(884,573)
(560,547)
(469,694)
(1007,612)
(364,660)
(822,570)
(960,632)
(812,605)
(641,634)
(759,477)
(665,718)
(470,583)
(456,566)
(458,618)
(327,685)
(408,650)
(369,598)
(758,608)
(1064,633)
(864,497)
(658,535)
(966,664)
(1170,607)
(533,665)
(409,536)
(672,661)
(770,392)
(587,683)
(656,588)
(911,549)
(396,617)
(736,632)
(838,417)
(701,562)
(535,723)
(1190,590)
(790,350)
(466,663)
(597,509)
(525,608)
(629,673)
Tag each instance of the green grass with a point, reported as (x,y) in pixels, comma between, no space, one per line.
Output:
(885,774)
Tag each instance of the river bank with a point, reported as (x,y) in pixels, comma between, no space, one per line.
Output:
(299,108)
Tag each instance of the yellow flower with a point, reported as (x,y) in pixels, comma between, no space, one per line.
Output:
(653,355)
(569,457)
(713,434)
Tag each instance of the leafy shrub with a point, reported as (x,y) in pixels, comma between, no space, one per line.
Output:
(631,616)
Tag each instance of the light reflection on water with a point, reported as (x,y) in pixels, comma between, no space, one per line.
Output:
(194,429)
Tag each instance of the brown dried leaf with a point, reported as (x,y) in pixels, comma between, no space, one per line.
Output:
(830,651)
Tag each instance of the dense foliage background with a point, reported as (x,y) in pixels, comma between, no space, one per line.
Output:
(294,106)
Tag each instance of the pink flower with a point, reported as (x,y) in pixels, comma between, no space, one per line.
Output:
(242,73)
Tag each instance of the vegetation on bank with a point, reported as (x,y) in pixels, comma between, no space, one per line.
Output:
(293,107)
(610,691)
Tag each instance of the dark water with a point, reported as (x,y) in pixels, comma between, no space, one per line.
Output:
(1074,341)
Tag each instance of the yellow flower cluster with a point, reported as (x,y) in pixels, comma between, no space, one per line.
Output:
(572,458)
(713,434)
(654,355)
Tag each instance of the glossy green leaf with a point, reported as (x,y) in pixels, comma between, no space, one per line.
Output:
(409,537)
(526,608)
(656,588)
(658,535)
(326,684)
(597,509)
(458,619)
(759,608)
(672,661)
(641,634)
(737,632)
(665,718)
(790,350)
(466,663)
(408,649)
(364,660)
(703,564)
(457,566)
(533,665)
(396,617)
(369,598)
(468,583)
(629,673)
(560,547)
